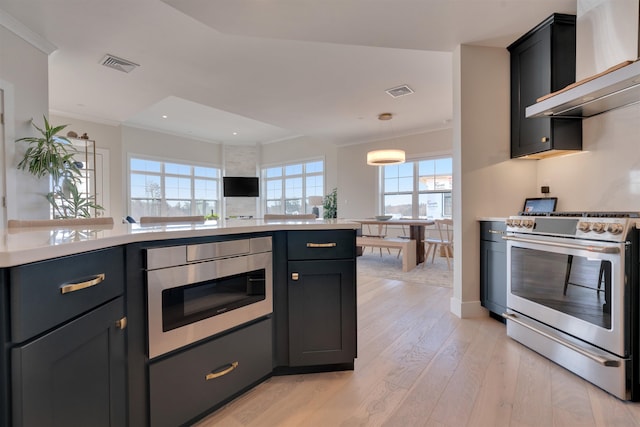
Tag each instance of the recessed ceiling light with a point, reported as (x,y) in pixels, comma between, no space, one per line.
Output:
(235,133)
(164,116)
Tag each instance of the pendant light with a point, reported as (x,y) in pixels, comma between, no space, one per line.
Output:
(385,156)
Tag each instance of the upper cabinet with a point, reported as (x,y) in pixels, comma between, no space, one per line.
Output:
(543,61)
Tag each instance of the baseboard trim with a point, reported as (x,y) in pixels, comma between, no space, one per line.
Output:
(468,309)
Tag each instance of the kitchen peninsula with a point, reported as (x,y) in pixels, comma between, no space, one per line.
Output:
(76,350)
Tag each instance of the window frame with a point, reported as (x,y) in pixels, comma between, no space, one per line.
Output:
(304,198)
(415,193)
(162,174)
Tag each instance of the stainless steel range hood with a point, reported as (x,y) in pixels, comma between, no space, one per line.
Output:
(608,91)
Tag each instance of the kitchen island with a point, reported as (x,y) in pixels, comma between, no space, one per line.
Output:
(75,300)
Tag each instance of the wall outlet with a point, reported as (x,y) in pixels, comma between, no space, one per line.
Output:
(545,189)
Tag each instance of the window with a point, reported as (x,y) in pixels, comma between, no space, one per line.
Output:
(418,189)
(159,188)
(287,188)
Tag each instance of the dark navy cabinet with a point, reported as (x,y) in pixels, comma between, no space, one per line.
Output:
(73,376)
(192,382)
(67,349)
(543,61)
(5,373)
(321,298)
(493,267)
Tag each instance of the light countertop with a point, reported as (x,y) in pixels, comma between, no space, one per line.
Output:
(492,218)
(25,245)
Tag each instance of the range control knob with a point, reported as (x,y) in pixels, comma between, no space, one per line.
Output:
(516,222)
(584,226)
(615,228)
(527,223)
(509,223)
(598,227)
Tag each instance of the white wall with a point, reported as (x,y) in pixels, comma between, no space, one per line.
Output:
(109,138)
(23,75)
(304,148)
(358,182)
(486,181)
(606,176)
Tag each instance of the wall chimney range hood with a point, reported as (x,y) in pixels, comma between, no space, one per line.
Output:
(617,87)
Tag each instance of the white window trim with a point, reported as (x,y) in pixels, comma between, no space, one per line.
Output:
(415,195)
(127,202)
(263,179)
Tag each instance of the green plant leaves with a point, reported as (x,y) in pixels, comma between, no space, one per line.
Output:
(53,155)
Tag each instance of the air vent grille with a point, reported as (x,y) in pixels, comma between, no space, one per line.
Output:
(118,63)
(399,91)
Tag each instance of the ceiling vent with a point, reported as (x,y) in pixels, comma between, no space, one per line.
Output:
(399,91)
(118,63)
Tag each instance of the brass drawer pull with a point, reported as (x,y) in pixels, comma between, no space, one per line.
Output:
(322,245)
(214,375)
(496,232)
(72,287)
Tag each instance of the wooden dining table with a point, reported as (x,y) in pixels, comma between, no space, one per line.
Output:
(416,230)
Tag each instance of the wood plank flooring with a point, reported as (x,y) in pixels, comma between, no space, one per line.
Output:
(419,365)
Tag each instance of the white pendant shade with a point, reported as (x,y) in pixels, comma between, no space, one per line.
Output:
(385,157)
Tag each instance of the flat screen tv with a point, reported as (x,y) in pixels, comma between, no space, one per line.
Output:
(240,186)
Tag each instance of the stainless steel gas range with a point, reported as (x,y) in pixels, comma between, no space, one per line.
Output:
(572,293)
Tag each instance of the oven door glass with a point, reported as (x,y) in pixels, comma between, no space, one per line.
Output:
(189,304)
(575,286)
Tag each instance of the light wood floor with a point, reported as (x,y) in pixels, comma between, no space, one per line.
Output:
(419,365)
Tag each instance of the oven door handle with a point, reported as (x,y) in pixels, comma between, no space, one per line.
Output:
(598,249)
(595,357)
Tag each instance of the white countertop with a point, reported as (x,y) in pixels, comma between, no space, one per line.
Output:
(25,245)
(492,218)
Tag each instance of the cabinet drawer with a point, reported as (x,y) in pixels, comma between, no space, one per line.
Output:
(178,386)
(48,293)
(329,244)
(492,230)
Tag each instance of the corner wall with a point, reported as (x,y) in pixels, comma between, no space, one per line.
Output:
(486,182)
(24,77)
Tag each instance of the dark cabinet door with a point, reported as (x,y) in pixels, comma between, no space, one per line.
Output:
(322,312)
(493,276)
(542,62)
(529,82)
(74,375)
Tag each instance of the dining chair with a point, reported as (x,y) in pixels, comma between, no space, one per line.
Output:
(444,240)
(168,219)
(275,217)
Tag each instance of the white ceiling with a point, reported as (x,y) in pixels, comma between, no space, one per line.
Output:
(267,69)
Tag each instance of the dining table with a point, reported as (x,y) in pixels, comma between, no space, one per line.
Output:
(416,230)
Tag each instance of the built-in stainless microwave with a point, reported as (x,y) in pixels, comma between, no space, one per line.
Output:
(197,291)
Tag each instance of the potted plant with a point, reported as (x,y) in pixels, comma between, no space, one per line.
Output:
(330,204)
(50,154)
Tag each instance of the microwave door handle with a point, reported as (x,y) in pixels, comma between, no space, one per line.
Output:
(598,249)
